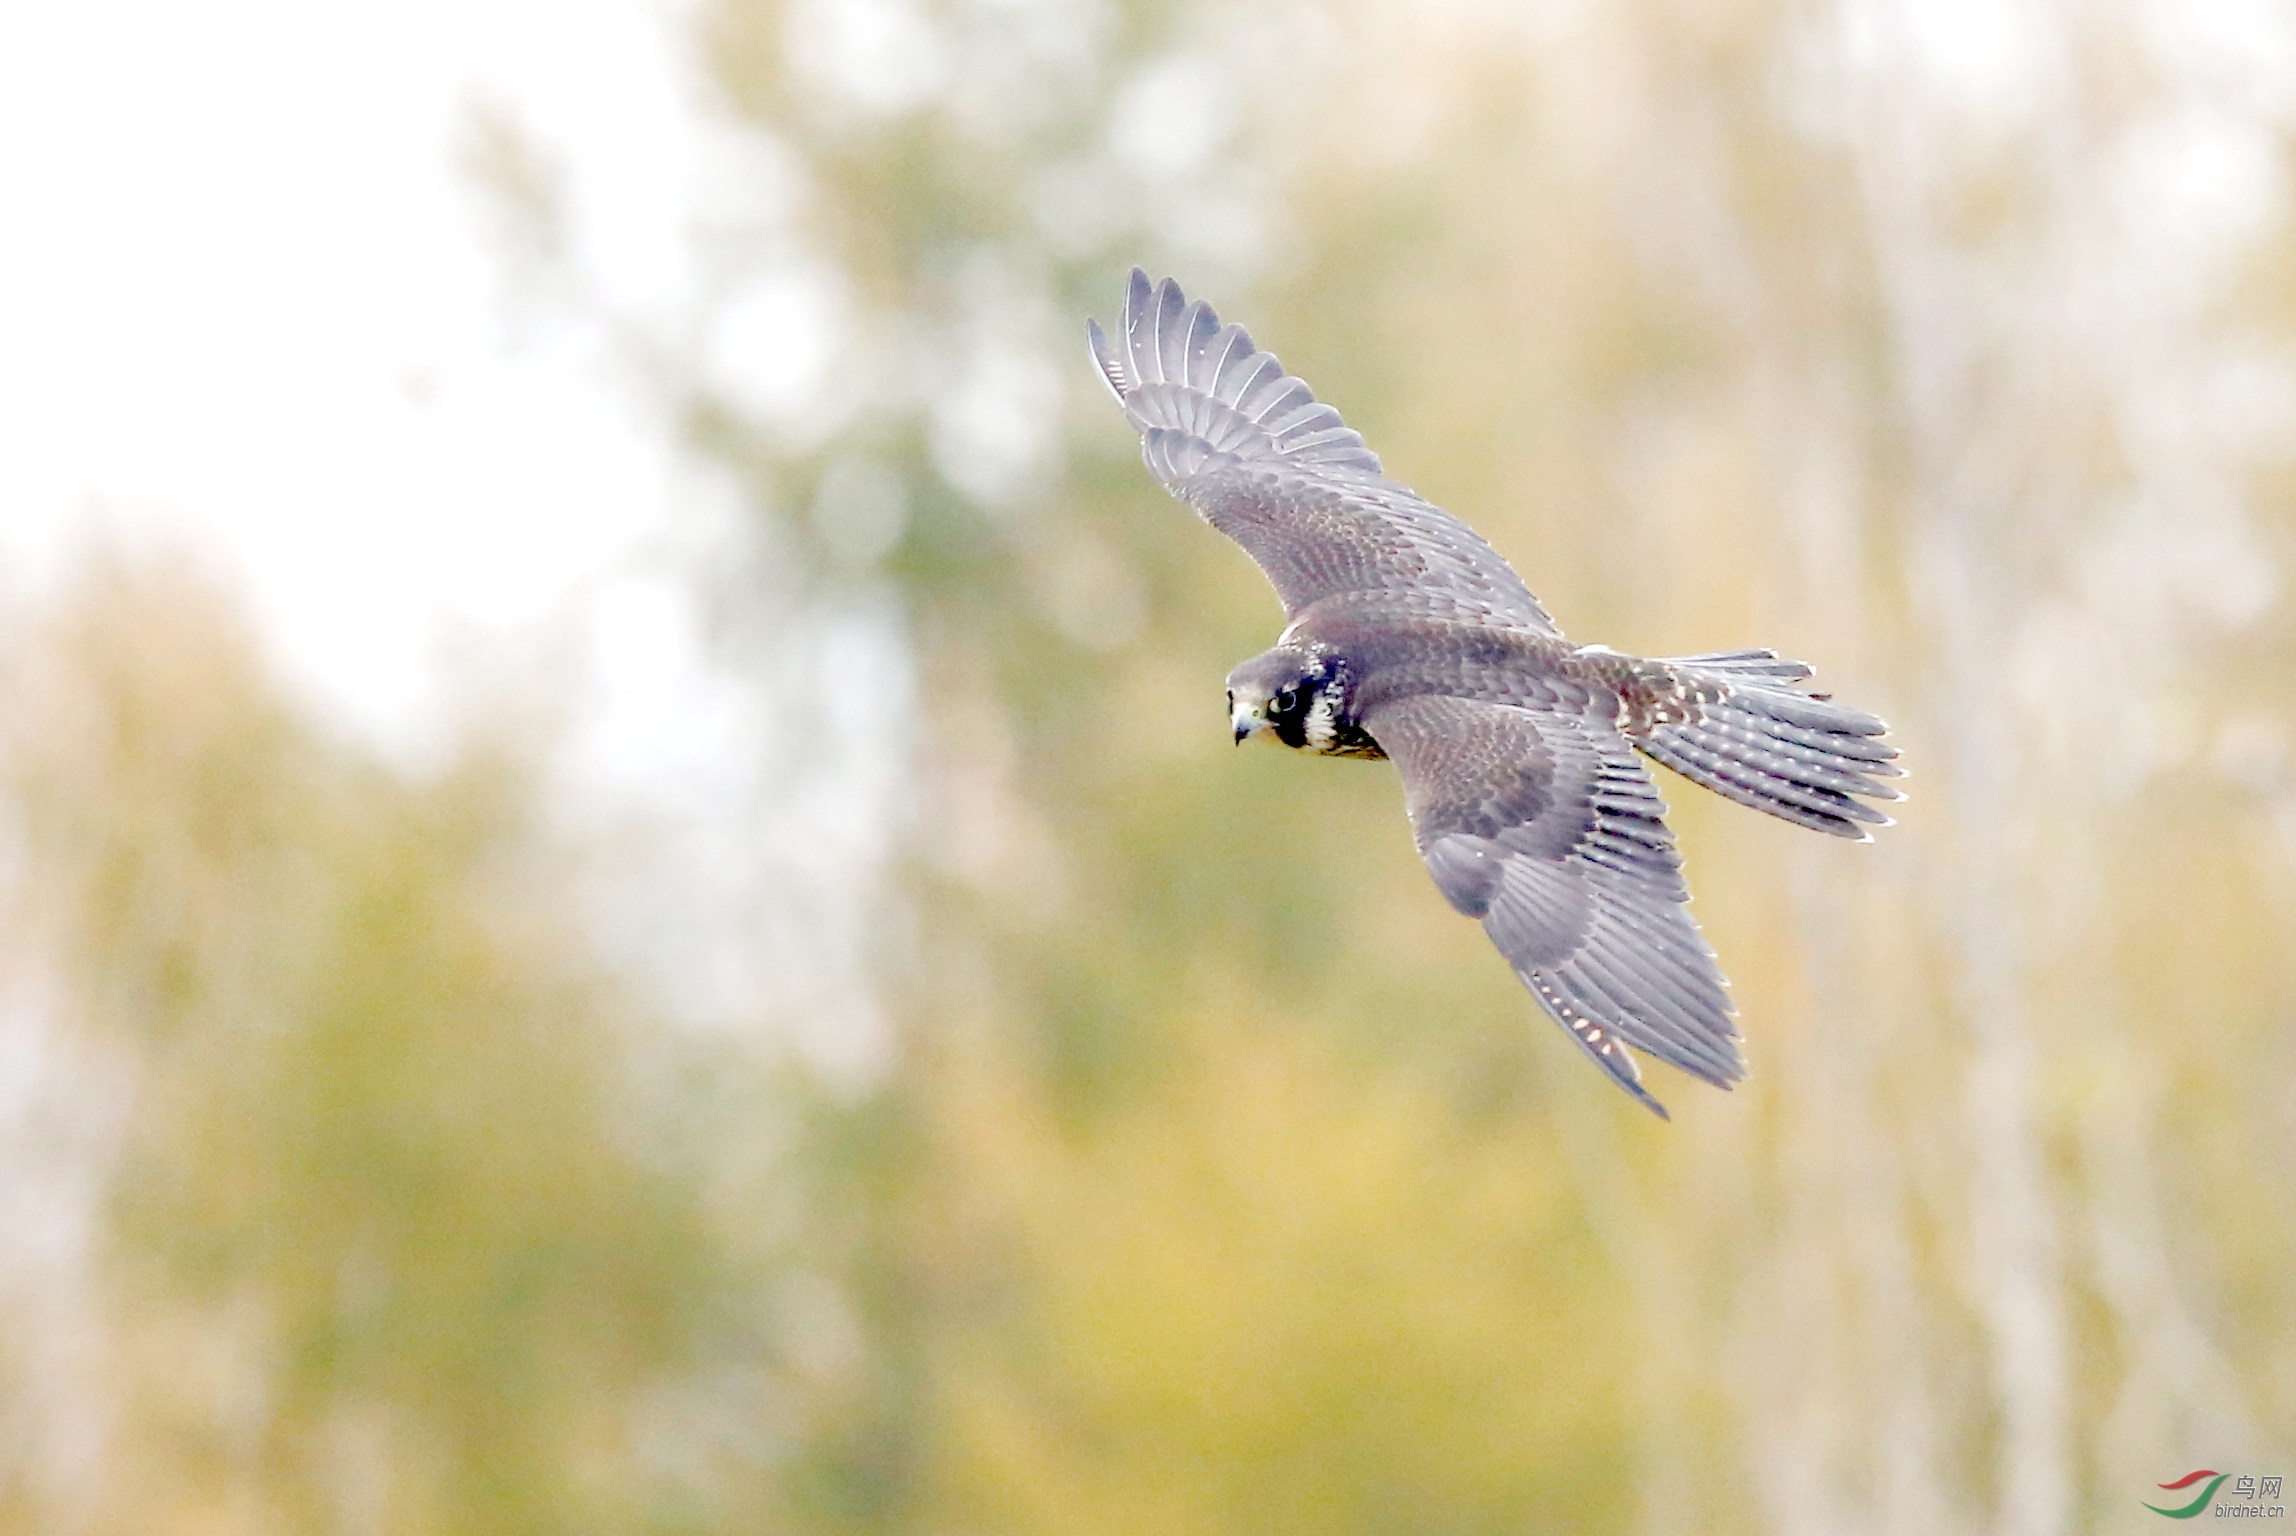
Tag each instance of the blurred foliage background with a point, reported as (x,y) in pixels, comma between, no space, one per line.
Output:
(1214,1176)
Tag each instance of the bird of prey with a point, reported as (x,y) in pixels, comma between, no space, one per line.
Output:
(1411,639)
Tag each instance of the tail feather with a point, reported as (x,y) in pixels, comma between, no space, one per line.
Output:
(1754,662)
(1769,744)
(1873,755)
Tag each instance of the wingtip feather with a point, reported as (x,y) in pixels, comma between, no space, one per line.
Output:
(1111,367)
(1171,334)
(1173,349)
(1140,330)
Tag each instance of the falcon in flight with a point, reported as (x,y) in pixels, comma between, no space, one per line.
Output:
(1410,639)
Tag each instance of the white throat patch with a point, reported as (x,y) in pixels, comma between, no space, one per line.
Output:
(1322,725)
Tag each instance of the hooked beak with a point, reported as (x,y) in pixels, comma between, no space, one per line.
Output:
(1248,721)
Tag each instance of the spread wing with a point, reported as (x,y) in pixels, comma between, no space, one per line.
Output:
(1247,445)
(1545,825)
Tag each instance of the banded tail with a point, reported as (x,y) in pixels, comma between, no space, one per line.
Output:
(1771,745)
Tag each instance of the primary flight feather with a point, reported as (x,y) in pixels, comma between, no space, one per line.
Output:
(1411,639)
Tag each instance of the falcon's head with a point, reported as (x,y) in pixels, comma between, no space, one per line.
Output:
(1305,695)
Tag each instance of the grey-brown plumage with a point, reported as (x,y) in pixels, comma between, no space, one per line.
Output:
(1411,639)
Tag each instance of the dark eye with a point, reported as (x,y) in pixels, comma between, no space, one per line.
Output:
(1287,701)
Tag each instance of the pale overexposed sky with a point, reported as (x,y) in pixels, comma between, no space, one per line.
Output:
(245,300)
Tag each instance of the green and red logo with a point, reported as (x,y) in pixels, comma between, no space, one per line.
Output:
(2251,1494)
(2216,1481)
